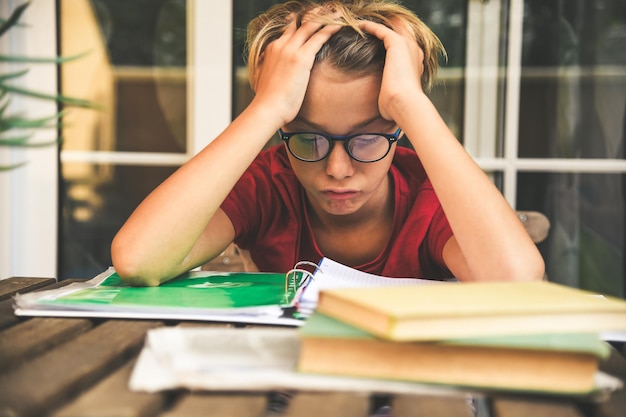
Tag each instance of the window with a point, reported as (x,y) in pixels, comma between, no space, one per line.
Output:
(533,88)
(111,159)
(572,127)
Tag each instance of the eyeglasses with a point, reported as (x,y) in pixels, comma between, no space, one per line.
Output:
(362,147)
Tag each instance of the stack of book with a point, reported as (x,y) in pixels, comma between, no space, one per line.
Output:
(531,337)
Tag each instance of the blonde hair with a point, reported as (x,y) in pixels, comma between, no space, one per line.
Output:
(349,50)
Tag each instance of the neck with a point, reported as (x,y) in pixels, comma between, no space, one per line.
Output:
(357,238)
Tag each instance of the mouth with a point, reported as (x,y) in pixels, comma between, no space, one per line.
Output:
(339,194)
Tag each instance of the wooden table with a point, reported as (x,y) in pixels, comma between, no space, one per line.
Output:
(80,368)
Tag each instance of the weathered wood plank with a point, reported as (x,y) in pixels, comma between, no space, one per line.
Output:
(328,405)
(535,407)
(219,405)
(32,337)
(111,397)
(8,318)
(11,286)
(58,375)
(431,405)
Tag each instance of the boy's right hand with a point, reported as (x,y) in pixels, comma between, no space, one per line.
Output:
(284,69)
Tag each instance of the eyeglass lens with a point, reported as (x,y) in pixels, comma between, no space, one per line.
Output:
(314,147)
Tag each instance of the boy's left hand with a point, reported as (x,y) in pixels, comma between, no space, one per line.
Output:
(404,66)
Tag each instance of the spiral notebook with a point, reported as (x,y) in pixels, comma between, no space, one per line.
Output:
(246,297)
(330,274)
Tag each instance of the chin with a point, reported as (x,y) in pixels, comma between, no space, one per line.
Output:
(341,209)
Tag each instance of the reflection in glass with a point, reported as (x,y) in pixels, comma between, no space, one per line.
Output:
(585,246)
(136,69)
(573,91)
(95,207)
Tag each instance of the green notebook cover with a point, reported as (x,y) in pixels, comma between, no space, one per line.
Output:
(192,290)
(251,297)
(320,325)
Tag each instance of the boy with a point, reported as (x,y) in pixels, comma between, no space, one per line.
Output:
(340,81)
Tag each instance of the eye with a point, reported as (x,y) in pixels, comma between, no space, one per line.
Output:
(309,146)
(305,136)
(365,140)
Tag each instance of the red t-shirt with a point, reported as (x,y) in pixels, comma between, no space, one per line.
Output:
(267,208)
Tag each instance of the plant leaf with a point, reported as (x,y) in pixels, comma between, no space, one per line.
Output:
(4,106)
(10,75)
(14,18)
(10,167)
(23,142)
(14,141)
(22,123)
(71,101)
(36,60)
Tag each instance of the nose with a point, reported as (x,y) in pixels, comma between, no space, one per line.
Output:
(339,164)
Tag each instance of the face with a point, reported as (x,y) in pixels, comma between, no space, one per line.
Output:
(338,104)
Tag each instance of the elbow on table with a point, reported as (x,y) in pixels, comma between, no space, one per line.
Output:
(134,276)
(138,280)
(128,267)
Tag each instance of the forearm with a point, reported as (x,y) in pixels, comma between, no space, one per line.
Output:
(168,232)
(161,238)
(492,240)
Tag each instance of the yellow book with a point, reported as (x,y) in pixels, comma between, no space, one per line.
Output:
(556,363)
(445,311)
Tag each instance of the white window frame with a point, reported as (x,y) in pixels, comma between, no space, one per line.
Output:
(481,78)
(28,194)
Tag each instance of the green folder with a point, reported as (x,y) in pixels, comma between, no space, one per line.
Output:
(255,297)
(193,290)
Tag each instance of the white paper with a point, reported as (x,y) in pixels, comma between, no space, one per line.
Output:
(613,336)
(231,359)
(331,275)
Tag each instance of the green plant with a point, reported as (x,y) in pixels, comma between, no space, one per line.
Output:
(15,129)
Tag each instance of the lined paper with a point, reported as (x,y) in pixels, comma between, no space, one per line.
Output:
(331,274)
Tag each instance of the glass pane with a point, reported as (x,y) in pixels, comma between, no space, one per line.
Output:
(135,69)
(447,19)
(573,91)
(585,246)
(243,12)
(97,199)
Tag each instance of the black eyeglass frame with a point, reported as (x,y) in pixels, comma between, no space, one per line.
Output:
(391,138)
